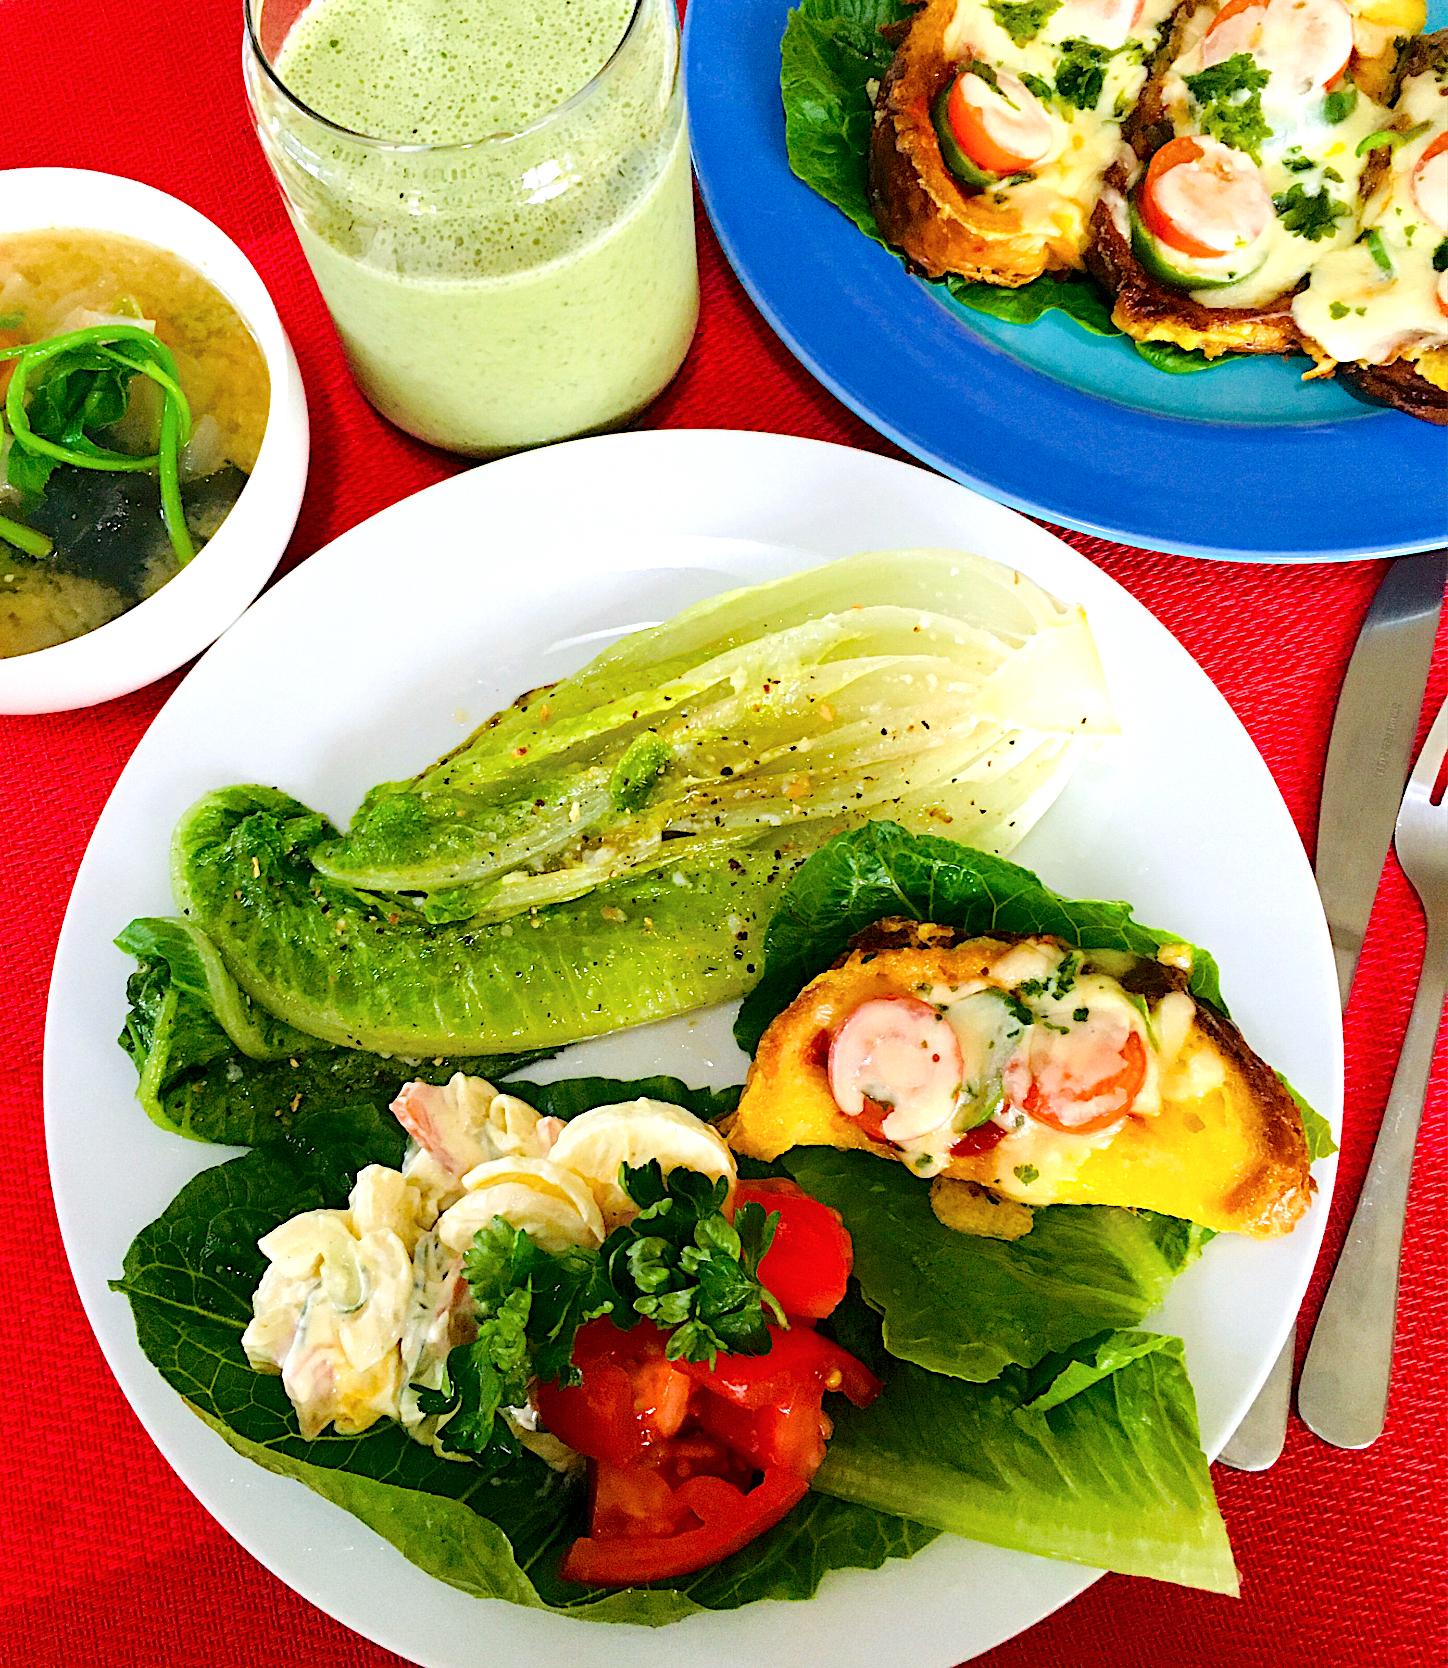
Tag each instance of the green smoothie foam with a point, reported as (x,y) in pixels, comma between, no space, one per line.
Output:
(497,294)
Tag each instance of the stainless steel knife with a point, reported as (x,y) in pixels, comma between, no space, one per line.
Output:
(1367,765)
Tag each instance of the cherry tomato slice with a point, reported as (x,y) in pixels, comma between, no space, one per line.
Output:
(1430,183)
(899,1050)
(1307,42)
(1005,128)
(1202,198)
(810,1257)
(1119,1090)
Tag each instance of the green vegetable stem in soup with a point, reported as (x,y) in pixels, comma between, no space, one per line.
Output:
(135,399)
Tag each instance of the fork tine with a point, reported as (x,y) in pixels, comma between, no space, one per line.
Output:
(1430,760)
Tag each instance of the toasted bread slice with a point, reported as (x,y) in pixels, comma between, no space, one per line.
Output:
(1007,230)
(1373,313)
(1223,1144)
(1308,163)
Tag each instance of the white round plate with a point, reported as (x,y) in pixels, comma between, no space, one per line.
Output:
(382,652)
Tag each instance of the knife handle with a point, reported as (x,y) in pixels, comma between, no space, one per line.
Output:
(1343,1392)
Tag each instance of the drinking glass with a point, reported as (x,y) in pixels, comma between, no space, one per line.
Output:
(517,288)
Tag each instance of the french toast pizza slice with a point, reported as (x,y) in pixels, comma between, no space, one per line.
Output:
(994,125)
(1242,166)
(1377,312)
(1031,1069)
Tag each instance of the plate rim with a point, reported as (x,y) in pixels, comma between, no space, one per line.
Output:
(799,310)
(1061,1581)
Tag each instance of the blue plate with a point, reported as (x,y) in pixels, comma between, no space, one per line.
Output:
(1244,461)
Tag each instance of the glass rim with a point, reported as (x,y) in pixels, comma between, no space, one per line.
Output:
(251,9)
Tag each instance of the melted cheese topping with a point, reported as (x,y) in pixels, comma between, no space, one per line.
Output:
(1356,309)
(1043,1020)
(1302,156)
(1057,201)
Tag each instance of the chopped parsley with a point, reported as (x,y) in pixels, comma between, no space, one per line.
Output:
(1081,1015)
(1023,20)
(1081,72)
(1312,217)
(1042,89)
(681,1263)
(1025,1174)
(1338,106)
(1295,162)
(1337,310)
(1229,95)
(1440,257)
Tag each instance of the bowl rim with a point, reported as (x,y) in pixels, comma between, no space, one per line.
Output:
(192,609)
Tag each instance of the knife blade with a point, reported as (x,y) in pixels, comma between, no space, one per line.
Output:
(1369,752)
(1368,755)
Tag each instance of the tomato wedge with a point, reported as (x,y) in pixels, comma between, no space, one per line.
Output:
(687,1462)
(797,1358)
(726,1518)
(1002,127)
(631,1398)
(1202,198)
(810,1257)
(1307,42)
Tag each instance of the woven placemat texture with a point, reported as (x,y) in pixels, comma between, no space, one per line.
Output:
(105,1559)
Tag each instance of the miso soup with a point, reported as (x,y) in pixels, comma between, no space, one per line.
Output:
(91,533)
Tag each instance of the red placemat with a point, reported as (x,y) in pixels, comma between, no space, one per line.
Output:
(105,1558)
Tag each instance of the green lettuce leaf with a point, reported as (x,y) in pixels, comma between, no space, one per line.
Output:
(327,960)
(831,50)
(189,1277)
(1092,1456)
(195,1079)
(1076,294)
(969,1307)
(882,869)
(573,1095)
(1315,1127)
(1180,361)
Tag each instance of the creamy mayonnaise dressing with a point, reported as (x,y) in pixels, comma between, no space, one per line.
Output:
(1059,199)
(1303,149)
(358,1308)
(1383,298)
(1051,1049)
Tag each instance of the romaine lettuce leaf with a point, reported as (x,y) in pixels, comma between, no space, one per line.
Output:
(832,50)
(1092,1456)
(970,1307)
(328,960)
(882,869)
(189,1277)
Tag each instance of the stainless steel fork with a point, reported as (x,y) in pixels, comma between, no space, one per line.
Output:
(1343,1393)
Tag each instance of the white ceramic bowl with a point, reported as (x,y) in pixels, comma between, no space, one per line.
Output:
(213,588)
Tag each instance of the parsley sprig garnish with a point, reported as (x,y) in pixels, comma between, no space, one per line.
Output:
(1229,95)
(1313,216)
(679,1263)
(1023,20)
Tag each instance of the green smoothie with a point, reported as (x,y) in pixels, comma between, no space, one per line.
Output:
(502,271)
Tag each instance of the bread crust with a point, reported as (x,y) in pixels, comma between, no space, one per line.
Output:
(1236,1162)
(917,204)
(1398,385)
